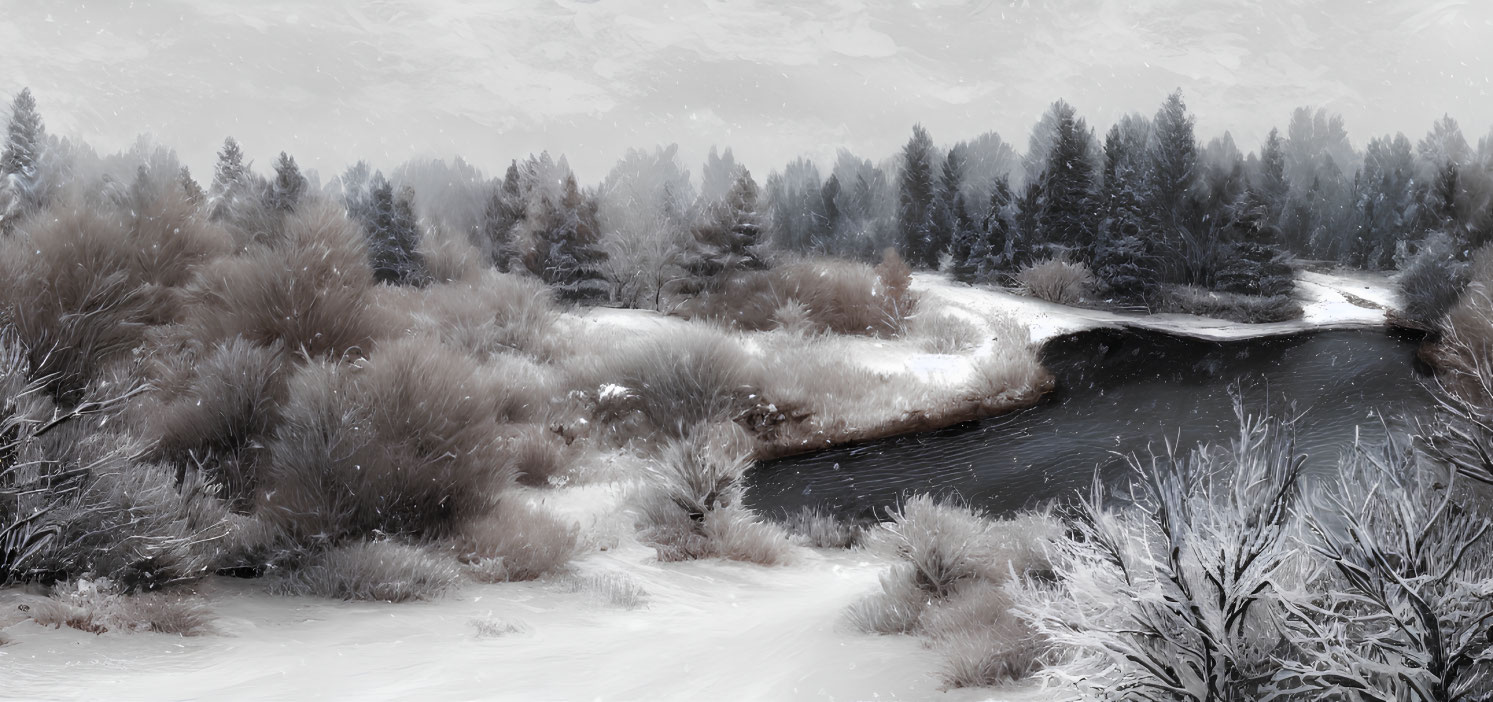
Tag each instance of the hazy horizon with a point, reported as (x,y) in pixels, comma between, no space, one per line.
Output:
(387,81)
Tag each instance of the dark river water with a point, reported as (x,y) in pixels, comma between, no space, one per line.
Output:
(1118,391)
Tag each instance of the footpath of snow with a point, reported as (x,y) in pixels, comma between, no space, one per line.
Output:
(1338,300)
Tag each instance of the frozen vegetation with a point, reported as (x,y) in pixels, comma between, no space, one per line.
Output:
(263,410)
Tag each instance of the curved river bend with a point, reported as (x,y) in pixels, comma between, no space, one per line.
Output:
(1119,391)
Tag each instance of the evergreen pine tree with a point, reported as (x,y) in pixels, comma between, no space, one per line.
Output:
(20,160)
(1173,158)
(1123,261)
(915,201)
(1254,262)
(567,252)
(230,175)
(1274,188)
(1068,215)
(1026,236)
(25,138)
(946,206)
(730,238)
(190,187)
(994,251)
(967,237)
(393,234)
(285,191)
(828,194)
(505,209)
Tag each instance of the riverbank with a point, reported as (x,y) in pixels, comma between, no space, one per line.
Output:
(1339,300)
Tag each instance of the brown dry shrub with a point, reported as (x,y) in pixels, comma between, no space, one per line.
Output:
(663,387)
(487,315)
(403,442)
(518,541)
(538,456)
(310,291)
(841,297)
(222,417)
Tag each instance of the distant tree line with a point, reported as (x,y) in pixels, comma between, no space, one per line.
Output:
(1144,207)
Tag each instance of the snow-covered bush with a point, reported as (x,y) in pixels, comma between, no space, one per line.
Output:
(1174,595)
(1248,309)
(1056,280)
(664,387)
(819,528)
(311,291)
(950,564)
(1402,609)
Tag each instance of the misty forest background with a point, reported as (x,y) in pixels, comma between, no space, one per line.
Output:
(1151,217)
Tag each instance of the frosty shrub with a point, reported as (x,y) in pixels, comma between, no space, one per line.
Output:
(950,564)
(692,508)
(518,541)
(450,256)
(100,606)
(76,500)
(382,571)
(1056,280)
(491,627)
(404,442)
(1173,594)
(1432,282)
(1248,309)
(1402,609)
(945,333)
(981,640)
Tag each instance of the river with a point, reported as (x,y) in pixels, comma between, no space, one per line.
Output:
(1118,392)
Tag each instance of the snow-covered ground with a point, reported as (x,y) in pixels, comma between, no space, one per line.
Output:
(712,630)
(1337,300)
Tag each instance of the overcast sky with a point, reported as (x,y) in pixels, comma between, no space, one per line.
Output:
(335,81)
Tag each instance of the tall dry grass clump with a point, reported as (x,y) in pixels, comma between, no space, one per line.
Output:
(99,606)
(518,541)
